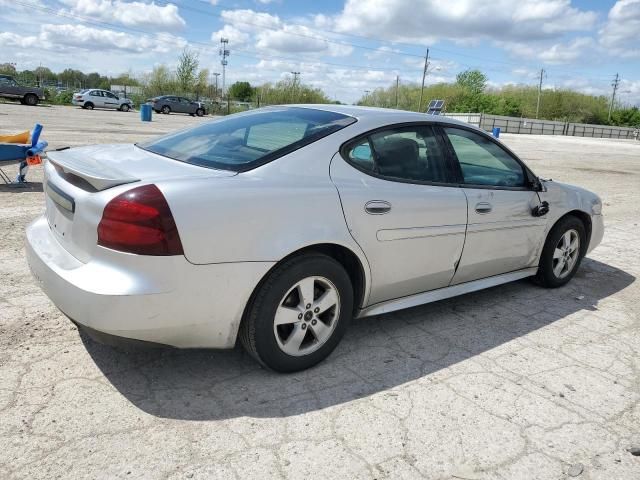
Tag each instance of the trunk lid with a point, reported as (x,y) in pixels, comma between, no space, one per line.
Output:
(79,182)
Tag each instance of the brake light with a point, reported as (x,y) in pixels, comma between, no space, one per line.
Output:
(140,221)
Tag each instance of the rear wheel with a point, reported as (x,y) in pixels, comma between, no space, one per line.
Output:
(299,313)
(30,99)
(88,106)
(562,253)
(166,110)
(200,112)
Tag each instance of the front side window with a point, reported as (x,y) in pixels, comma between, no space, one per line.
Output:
(246,140)
(483,162)
(406,153)
(110,95)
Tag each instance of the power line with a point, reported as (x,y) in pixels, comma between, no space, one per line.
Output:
(208,47)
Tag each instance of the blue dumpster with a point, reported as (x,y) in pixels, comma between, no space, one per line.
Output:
(496,132)
(145,112)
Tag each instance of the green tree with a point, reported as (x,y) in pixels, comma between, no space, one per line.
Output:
(473,81)
(187,70)
(45,75)
(242,91)
(159,81)
(202,83)
(7,69)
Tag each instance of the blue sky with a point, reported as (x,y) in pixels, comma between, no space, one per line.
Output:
(344,47)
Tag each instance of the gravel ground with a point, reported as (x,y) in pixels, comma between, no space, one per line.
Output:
(515,382)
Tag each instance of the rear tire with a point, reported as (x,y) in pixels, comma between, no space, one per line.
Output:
(200,112)
(88,106)
(31,99)
(166,110)
(298,314)
(563,251)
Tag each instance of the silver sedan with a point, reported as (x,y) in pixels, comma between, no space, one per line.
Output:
(280,225)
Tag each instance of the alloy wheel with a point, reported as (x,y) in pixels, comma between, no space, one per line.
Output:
(307,316)
(566,253)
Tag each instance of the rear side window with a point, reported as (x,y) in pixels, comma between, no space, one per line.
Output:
(406,153)
(244,141)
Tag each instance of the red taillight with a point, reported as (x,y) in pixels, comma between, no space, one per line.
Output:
(140,221)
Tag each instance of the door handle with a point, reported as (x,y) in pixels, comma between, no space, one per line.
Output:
(377,207)
(483,207)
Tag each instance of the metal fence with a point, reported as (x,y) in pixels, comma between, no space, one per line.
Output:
(543,127)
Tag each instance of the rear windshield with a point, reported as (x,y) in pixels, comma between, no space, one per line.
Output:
(246,140)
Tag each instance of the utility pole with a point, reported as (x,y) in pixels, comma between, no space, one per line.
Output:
(539,92)
(295,81)
(216,74)
(615,85)
(224,53)
(424,75)
(397,87)
(366,96)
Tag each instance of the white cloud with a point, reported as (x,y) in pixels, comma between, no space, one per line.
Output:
(130,14)
(67,37)
(237,38)
(621,33)
(248,20)
(462,20)
(271,34)
(552,53)
(384,53)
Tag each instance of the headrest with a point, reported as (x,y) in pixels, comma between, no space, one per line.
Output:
(398,151)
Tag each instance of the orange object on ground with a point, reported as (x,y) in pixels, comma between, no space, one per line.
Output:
(18,138)
(35,160)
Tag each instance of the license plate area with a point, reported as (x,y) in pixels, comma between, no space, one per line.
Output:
(60,198)
(60,208)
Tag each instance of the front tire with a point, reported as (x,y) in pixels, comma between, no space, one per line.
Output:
(124,107)
(200,112)
(31,99)
(563,250)
(299,313)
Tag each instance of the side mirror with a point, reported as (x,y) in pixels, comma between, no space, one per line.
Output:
(541,210)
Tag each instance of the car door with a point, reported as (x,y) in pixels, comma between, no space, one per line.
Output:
(401,209)
(187,105)
(9,87)
(96,98)
(179,105)
(110,100)
(503,235)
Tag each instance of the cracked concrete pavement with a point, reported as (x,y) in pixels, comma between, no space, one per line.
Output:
(515,382)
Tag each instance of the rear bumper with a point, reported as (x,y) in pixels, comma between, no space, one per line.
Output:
(164,300)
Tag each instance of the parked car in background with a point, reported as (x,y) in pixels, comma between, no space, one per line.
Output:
(11,89)
(95,98)
(172,104)
(278,225)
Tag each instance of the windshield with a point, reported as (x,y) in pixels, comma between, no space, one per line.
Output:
(246,140)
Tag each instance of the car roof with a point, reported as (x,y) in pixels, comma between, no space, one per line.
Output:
(386,115)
